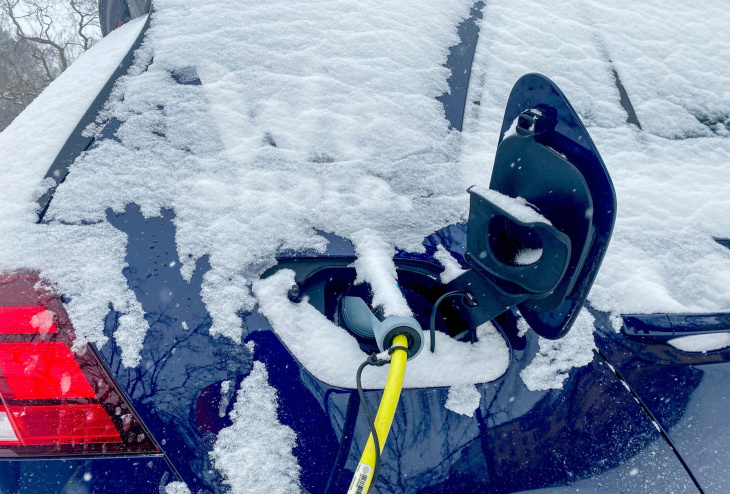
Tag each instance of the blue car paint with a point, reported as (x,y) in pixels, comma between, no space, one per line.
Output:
(79,475)
(518,440)
(178,364)
(687,393)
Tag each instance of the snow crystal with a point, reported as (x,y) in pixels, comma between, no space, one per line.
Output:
(463,399)
(452,268)
(550,367)
(254,454)
(332,355)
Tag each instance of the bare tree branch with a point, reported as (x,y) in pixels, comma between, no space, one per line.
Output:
(48,35)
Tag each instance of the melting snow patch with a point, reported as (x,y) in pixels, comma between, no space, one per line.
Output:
(463,399)
(332,355)
(254,455)
(550,367)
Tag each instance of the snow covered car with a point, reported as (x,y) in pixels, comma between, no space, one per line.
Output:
(213,218)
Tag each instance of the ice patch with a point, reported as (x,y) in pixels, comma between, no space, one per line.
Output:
(452,268)
(550,367)
(332,355)
(463,399)
(254,455)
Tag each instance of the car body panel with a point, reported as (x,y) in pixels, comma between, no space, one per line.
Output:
(592,434)
(687,394)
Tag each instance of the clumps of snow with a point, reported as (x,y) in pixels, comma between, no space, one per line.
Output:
(671,61)
(43,321)
(522,326)
(254,455)
(333,126)
(84,263)
(177,487)
(463,399)
(225,398)
(332,355)
(452,268)
(375,265)
(673,195)
(516,206)
(551,365)
(525,257)
(701,342)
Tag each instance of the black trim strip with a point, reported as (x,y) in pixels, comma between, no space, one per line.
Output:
(78,143)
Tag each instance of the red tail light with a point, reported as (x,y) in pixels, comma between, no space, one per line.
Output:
(53,401)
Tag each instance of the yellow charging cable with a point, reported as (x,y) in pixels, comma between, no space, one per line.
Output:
(386,411)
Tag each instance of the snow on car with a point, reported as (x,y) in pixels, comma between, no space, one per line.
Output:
(198,199)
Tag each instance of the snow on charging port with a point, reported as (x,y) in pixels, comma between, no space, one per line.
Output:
(54,402)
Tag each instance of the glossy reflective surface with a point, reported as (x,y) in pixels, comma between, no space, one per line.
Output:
(687,393)
(591,434)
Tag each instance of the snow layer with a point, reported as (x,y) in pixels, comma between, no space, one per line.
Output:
(550,367)
(516,206)
(332,355)
(254,455)
(452,268)
(83,262)
(672,61)
(312,116)
(463,399)
(322,116)
(673,194)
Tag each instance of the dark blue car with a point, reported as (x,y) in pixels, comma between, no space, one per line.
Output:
(199,412)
